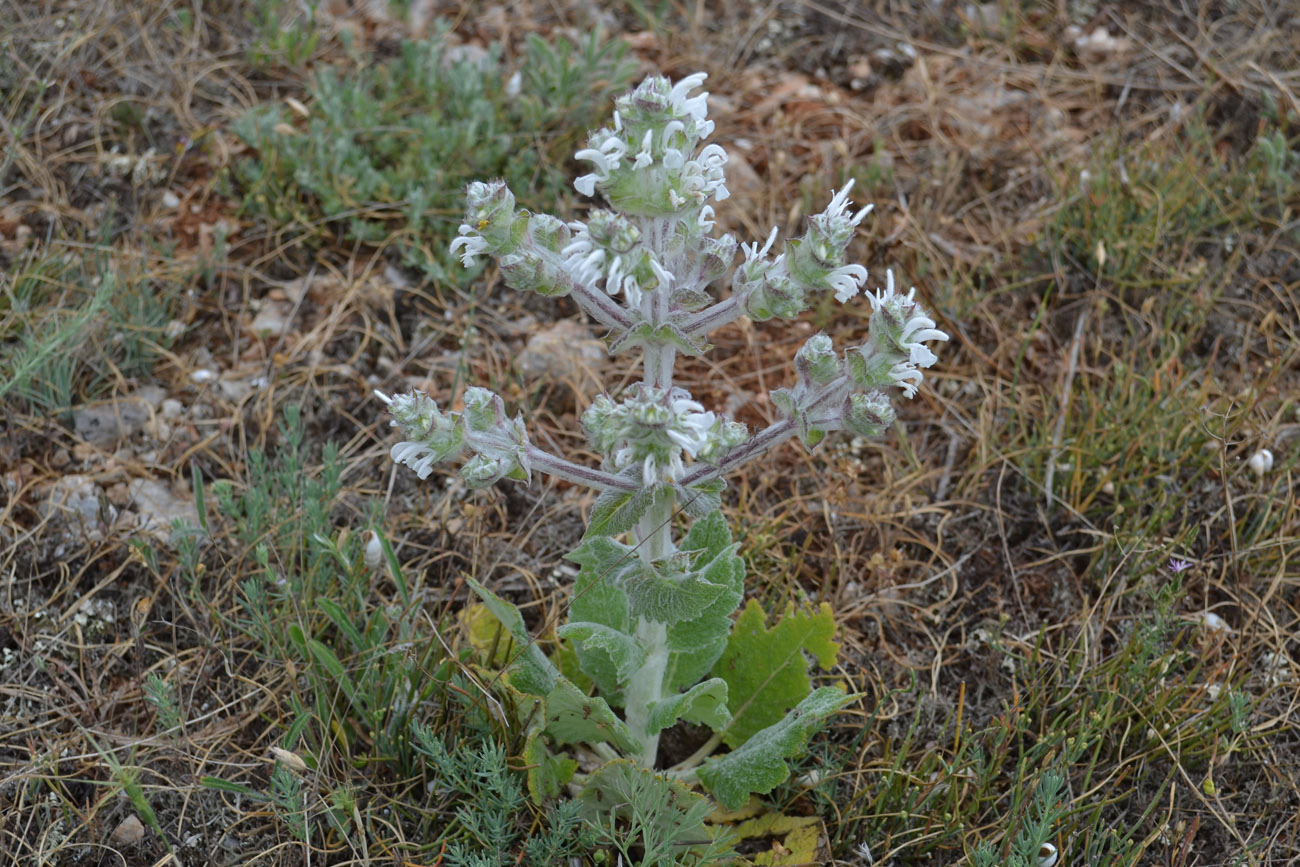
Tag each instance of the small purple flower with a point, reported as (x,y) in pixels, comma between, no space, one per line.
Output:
(1176,565)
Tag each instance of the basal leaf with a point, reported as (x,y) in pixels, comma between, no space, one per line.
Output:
(799,836)
(758,765)
(704,704)
(573,717)
(766,670)
(495,645)
(547,773)
(531,671)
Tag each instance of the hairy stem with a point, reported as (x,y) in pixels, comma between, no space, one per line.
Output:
(646,686)
(561,468)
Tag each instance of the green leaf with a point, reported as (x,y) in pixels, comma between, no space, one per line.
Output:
(702,500)
(233,788)
(598,597)
(646,334)
(765,669)
(618,511)
(710,535)
(705,704)
(328,661)
(531,671)
(696,643)
(758,766)
(624,652)
(573,717)
(334,612)
(547,773)
(671,598)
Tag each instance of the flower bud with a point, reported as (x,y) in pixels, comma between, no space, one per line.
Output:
(482,471)
(816,361)
(869,414)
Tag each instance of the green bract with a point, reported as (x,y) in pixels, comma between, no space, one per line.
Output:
(651,630)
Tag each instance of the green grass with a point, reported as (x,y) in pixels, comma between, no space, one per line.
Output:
(1091,741)
(76,322)
(386,150)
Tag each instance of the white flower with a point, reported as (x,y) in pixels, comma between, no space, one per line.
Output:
(474,244)
(704,176)
(840,203)
(846,281)
(606,152)
(753,253)
(417,456)
(697,106)
(645,156)
(907,377)
(916,327)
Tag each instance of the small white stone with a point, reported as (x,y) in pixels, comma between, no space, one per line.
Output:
(203,375)
(1261,462)
(1213,622)
(129,831)
(170,200)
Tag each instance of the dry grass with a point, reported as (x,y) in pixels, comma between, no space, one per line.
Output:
(1123,342)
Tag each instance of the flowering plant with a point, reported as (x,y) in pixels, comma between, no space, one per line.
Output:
(651,624)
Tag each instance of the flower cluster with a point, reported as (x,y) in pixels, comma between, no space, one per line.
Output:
(652,428)
(646,164)
(500,443)
(643,269)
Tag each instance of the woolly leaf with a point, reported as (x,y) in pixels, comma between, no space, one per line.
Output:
(530,670)
(710,535)
(598,595)
(697,642)
(573,717)
(623,652)
(671,598)
(701,500)
(758,766)
(547,773)
(618,511)
(598,598)
(705,704)
(765,669)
